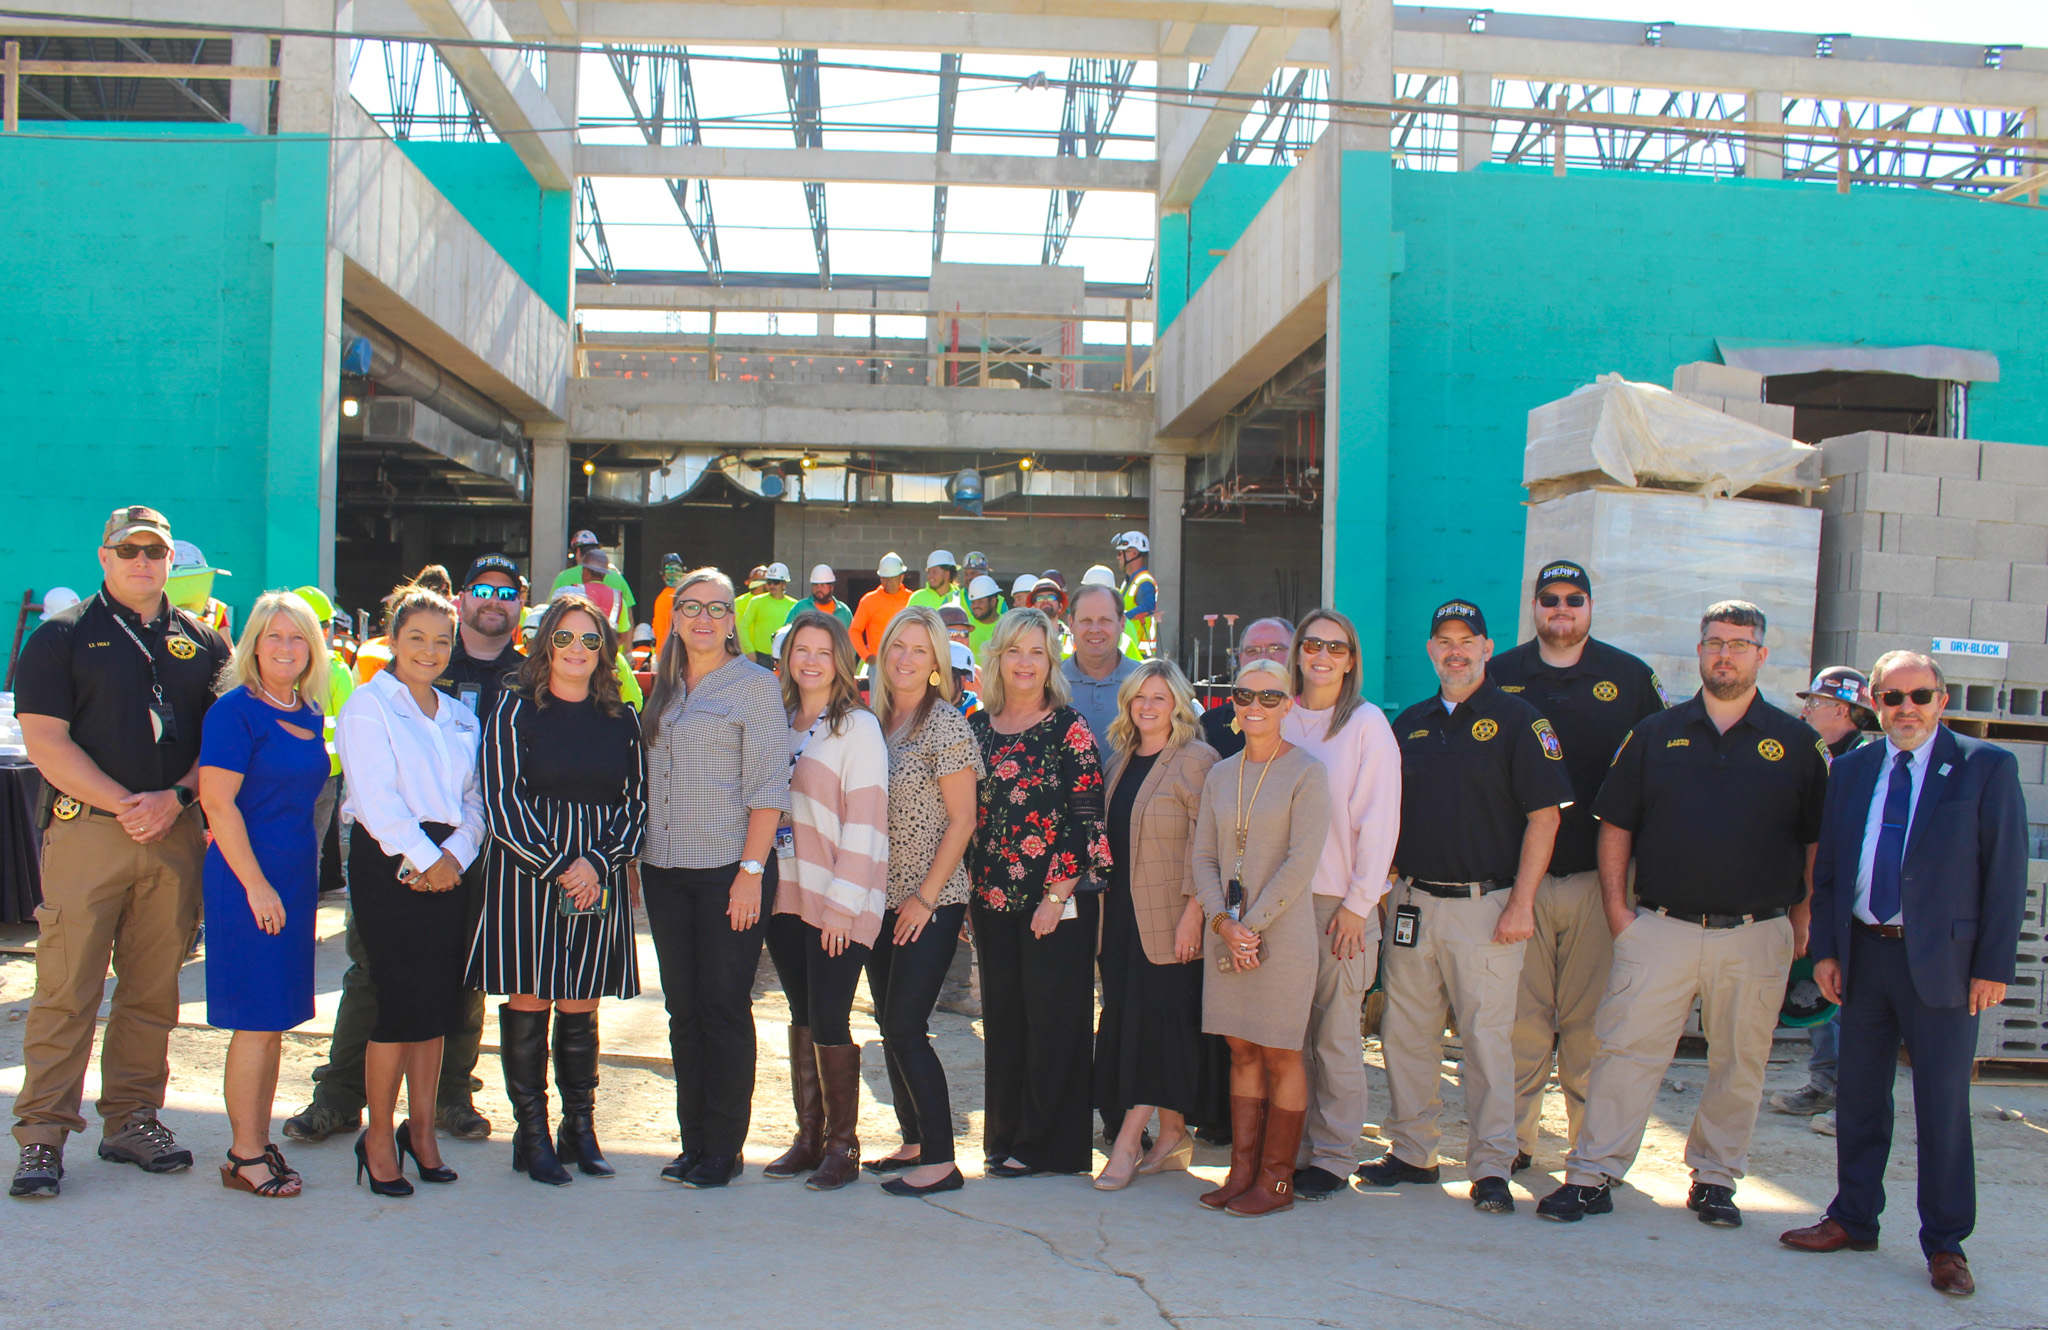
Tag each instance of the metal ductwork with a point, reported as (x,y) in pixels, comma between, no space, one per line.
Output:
(408,372)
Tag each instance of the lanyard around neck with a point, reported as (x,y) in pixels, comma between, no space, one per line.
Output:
(156,686)
(1244,824)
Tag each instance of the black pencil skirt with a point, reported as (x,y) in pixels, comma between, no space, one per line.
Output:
(416,942)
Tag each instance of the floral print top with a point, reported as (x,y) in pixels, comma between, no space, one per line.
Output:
(1041,816)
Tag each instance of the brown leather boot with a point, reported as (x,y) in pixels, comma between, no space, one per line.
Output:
(839,1070)
(1247,1132)
(1274,1190)
(809,1149)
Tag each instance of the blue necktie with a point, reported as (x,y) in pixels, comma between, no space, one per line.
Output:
(1891,841)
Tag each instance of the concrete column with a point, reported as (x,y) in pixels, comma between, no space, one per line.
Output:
(550,504)
(1765,161)
(1475,134)
(562,67)
(313,70)
(249,99)
(1169,491)
(1362,70)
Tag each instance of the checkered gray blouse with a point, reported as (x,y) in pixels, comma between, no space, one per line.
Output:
(723,749)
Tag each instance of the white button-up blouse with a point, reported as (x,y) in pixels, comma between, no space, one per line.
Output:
(401,769)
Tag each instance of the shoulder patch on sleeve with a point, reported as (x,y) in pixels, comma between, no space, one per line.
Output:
(1618,747)
(1821,746)
(1546,736)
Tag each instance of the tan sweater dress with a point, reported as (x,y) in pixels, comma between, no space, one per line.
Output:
(1288,824)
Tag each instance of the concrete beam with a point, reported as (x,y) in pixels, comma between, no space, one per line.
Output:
(1261,307)
(501,86)
(1243,65)
(810,300)
(727,414)
(834,165)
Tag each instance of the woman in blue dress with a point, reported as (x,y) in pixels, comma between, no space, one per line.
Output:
(262,764)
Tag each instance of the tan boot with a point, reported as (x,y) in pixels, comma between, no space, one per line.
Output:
(1247,1129)
(809,1148)
(1274,1190)
(839,1071)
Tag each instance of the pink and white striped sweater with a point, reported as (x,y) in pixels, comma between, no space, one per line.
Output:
(839,807)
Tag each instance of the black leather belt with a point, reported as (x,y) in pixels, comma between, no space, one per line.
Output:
(1459,891)
(1716,920)
(1878,930)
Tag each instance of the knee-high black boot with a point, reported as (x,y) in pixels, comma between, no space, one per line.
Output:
(523,1050)
(576,1078)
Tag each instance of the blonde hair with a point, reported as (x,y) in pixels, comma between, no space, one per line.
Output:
(1264,666)
(844,698)
(243,671)
(669,657)
(1183,723)
(995,694)
(948,691)
(1349,695)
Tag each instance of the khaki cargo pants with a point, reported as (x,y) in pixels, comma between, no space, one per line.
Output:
(1564,972)
(1333,1049)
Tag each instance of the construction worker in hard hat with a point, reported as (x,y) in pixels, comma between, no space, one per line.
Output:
(984,611)
(757,582)
(1140,590)
(1101,576)
(672,573)
(941,582)
(879,606)
(824,597)
(641,654)
(765,613)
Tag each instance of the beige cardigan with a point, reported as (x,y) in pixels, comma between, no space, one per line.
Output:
(1161,870)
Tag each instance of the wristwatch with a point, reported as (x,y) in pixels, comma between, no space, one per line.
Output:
(184,795)
(751,866)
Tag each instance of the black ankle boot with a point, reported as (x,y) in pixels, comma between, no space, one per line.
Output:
(576,1078)
(523,1050)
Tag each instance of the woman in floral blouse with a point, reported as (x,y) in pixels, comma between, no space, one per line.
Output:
(1039,838)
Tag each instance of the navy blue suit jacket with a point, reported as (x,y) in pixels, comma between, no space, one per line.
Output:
(1964,881)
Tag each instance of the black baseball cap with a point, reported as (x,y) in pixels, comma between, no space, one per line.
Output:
(1462,610)
(1563,570)
(490,563)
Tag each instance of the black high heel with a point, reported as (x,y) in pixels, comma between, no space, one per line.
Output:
(398,1186)
(403,1138)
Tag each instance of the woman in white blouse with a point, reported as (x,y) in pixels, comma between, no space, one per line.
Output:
(409,755)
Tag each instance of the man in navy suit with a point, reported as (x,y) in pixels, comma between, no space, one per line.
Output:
(1919,886)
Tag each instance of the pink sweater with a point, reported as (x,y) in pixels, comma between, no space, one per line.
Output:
(1364,766)
(839,809)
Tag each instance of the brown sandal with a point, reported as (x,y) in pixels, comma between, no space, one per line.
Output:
(283,1181)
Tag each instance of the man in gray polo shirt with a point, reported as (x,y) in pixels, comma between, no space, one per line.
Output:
(1098,667)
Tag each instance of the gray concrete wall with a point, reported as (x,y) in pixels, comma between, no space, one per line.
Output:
(1247,569)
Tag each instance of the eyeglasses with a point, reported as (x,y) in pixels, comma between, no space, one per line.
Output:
(1548,600)
(1315,646)
(1728,646)
(1276,651)
(485,591)
(1265,697)
(697,609)
(1894,697)
(126,551)
(563,637)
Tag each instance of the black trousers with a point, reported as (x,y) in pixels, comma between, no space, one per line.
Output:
(1038,1009)
(819,986)
(1881,1010)
(707,977)
(905,983)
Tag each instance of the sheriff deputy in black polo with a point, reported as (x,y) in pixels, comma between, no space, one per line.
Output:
(111,694)
(1593,693)
(1482,780)
(1719,799)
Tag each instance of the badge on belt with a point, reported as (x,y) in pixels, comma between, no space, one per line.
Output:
(65,808)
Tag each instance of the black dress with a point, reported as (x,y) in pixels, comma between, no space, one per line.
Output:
(1149,1045)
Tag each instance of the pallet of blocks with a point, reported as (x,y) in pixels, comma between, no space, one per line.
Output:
(2012,1038)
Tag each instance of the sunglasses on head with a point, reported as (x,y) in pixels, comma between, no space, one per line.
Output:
(563,637)
(697,609)
(1895,697)
(1265,697)
(1313,646)
(127,550)
(1548,600)
(485,591)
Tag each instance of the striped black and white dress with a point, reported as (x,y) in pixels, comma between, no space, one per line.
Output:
(559,781)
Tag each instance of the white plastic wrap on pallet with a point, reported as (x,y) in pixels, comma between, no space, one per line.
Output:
(1658,559)
(1639,432)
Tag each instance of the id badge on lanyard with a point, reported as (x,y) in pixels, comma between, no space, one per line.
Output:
(163,722)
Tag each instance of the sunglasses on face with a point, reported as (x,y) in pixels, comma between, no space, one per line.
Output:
(697,609)
(1894,697)
(1265,697)
(1549,600)
(485,591)
(563,637)
(154,553)
(1316,646)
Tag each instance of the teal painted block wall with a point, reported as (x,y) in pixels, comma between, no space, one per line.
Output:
(1214,221)
(140,336)
(529,226)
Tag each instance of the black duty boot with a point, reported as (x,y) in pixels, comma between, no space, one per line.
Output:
(523,1050)
(576,1078)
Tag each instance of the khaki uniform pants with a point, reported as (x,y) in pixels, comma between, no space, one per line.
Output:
(1334,1050)
(1660,966)
(1564,972)
(1456,967)
(105,897)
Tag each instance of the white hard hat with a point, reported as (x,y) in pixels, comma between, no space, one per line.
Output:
(778,572)
(963,658)
(890,566)
(642,632)
(534,616)
(1099,575)
(184,554)
(781,636)
(983,586)
(58,600)
(1022,586)
(940,559)
(823,573)
(1132,540)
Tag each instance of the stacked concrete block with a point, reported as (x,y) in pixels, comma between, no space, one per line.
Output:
(1731,391)
(2017,1029)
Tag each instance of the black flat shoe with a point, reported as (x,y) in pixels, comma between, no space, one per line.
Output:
(675,1170)
(714,1171)
(403,1136)
(889,1165)
(1522,1162)
(903,1187)
(1391,1170)
(398,1186)
(1002,1169)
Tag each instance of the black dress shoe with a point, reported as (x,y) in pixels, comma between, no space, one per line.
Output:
(1316,1184)
(888,1165)
(675,1170)
(1714,1204)
(1390,1170)
(1005,1169)
(903,1187)
(1522,1162)
(714,1171)
(1491,1195)
(1573,1202)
